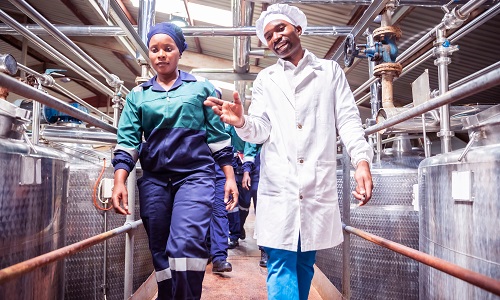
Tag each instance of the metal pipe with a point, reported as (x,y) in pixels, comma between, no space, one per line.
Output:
(429,36)
(442,62)
(147,13)
(53,52)
(375,91)
(28,10)
(373,10)
(105,253)
(261,53)
(198,31)
(129,237)
(29,265)
(475,86)
(82,135)
(487,283)
(425,3)
(119,16)
(66,92)
(475,75)
(31,93)
(483,18)
(346,217)
(241,49)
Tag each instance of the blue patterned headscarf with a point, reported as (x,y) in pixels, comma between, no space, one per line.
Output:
(174,31)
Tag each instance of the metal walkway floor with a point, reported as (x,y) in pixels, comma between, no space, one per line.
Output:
(247,280)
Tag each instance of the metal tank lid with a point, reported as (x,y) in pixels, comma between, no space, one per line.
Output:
(489,116)
(12,119)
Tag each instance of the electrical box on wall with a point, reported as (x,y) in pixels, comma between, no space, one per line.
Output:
(107,188)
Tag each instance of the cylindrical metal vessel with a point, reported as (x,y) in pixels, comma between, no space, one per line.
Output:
(460,211)
(376,272)
(86,277)
(33,201)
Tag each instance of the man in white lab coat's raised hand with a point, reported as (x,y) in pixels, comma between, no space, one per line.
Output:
(298,106)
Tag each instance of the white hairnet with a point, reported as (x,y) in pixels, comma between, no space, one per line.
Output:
(291,14)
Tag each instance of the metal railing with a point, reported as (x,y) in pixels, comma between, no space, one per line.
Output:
(29,265)
(477,279)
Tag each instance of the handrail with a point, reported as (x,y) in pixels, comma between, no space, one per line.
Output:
(29,265)
(487,283)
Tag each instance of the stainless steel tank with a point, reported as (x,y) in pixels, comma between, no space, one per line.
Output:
(33,202)
(459,202)
(91,270)
(376,272)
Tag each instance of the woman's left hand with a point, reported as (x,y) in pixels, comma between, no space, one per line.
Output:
(231,194)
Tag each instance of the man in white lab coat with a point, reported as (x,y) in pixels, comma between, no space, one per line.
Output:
(298,106)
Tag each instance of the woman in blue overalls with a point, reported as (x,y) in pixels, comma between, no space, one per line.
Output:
(178,140)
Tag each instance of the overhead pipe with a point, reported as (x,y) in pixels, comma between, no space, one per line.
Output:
(242,16)
(28,10)
(371,12)
(53,52)
(478,21)
(425,3)
(454,19)
(474,86)
(442,51)
(48,80)
(147,13)
(31,93)
(119,17)
(194,31)
(82,135)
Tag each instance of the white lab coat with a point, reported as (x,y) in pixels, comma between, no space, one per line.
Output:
(298,129)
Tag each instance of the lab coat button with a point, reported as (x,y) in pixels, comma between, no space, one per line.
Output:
(301,197)
(301,161)
(299,126)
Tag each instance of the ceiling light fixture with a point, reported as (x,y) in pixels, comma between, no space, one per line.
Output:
(179,21)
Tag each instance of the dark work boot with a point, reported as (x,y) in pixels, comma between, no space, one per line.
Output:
(233,244)
(221,266)
(263,259)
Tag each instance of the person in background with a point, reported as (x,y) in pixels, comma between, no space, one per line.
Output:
(4,93)
(234,214)
(250,185)
(219,225)
(178,141)
(298,106)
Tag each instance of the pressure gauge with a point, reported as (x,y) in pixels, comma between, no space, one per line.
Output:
(8,64)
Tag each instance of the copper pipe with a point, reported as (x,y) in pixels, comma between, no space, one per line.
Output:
(487,283)
(29,265)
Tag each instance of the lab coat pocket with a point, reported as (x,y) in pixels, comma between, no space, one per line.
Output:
(326,182)
(272,179)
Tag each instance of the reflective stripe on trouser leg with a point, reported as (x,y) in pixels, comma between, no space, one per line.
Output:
(289,273)
(156,213)
(233,217)
(186,246)
(180,244)
(219,225)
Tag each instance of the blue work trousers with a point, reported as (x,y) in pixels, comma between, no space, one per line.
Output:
(176,217)
(245,199)
(219,225)
(234,214)
(289,273)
